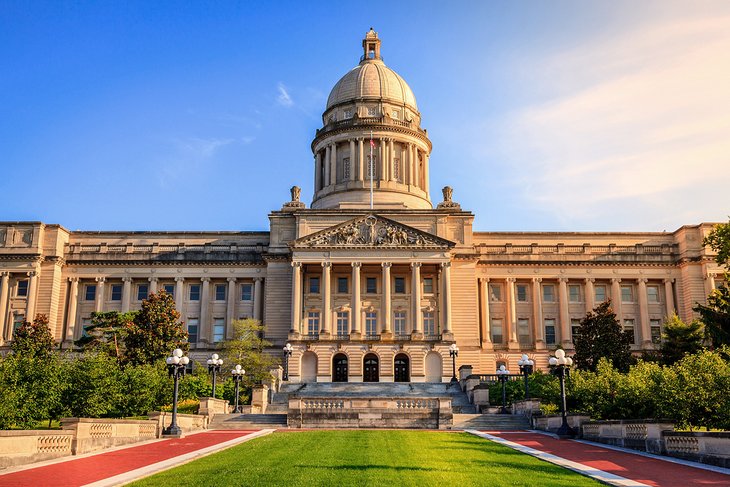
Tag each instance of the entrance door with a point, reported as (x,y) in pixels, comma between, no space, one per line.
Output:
(370,368)
(401,368)
(339,368)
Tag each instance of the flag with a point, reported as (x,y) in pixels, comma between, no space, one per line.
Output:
(372,143)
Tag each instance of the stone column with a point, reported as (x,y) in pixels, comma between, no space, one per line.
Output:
(73,300)
(709,283)
(386,299)
(512,314)
(153,284)
(565,337)
(485,314)
(230,306)
(356,300)
(180,294)
(446,281)
(333,164)
(616,299)
(99,301)
(327,167)
(413,157)
(32,291)
(669,296)
(590,294)
(258,297)
(352,160)
(326,299)
(126,293)
(296,298)
(417,331)
(381,159)
(361,166)
(644,314)
(391,159)
(4,283)
(426,182)
(537,311)
(205,330)
(318,171)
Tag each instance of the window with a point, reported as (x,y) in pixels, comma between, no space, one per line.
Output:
(346,168)
(371,323)
(395,114)
(343,322)
(372,112)
(90,292)
(194,292)
(220,292)
(495,292)
(429,323)
(652,293)
(219,329)
(497,336)
(627,294)
(342,287)
(22,289)
(656,330)
(371,167)
(400,285)
(371,285)
(629,328)
(85,323)
(399,322)
(550,331)
(142,291)
(169,289)
(523,330)
(347,114)
(192,330)
(396,170)
(600,293)
(428,285)
(574,327)
(574,293)
(116,292)
(246,292)
(548,293)
(18,322)
(313,323)
(522,293)
(314,285)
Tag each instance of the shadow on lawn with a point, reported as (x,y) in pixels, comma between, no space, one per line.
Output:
(367,467)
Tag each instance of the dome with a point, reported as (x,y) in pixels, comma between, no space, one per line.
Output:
(372,79)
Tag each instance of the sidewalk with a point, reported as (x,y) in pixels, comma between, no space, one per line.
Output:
(128,463)
(611,465)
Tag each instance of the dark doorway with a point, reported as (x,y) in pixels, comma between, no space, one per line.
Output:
(370,368)
(339,368)
(401,368)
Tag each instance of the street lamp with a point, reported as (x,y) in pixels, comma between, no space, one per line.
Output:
(237,375)
(214,367)
(560,367)
(503,377)
(176,365)
(526,366)
(288,349)
(454,352)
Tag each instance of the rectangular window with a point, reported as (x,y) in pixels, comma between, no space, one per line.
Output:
(313,323)
(497,336)
(627,294)
(194,292)
(495,292)
(574,293)
(429,323)
(399,322)
(314,285)
(600,293)
(116,292)
(219,329)
(371,285)
(630,328)
(371,323)
(400,285)
(371,167)
(523,330)
(396,170)
(343,322)
(17,322)
(90,294)
(652,293)
(656,330)
(550,331)
(169,289)
(428,285)
(548,293)
(246,292)
(22,289)
(574,327)
(220,292)
(347,114)
(142,291)
(85,323)
(192,330)
(522,293)
(342,287)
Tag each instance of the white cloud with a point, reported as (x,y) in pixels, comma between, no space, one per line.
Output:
(284,99)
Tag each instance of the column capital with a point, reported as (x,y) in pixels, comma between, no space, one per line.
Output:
(31,273)
(296,264)
(616,280)
(386,264)
(326,264)
(70,279)
(589,279)
(356,264)
(153,279)
(484,279)
(444,265)
(100,280)
(231,279)
(563,279)
(415,264)
(205,279)
(179,279)
(669,280)
(511,279)
(642,280)
(7,274)
(255,279)
(125,279)
(537,279)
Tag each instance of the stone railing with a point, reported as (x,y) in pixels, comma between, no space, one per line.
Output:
(91,434)
(553,421)
(526,407)
(391,412)
(79,252)
(710,448)
(644,435)
(19,447)
(186,422)
(610,253)
(210,406)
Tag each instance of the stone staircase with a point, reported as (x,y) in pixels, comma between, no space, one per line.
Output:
(247,421)
(491,422)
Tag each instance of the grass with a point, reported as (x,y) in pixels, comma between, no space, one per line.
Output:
(361,457)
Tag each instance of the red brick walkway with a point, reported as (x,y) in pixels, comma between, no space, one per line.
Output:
(641,468)
(82,471)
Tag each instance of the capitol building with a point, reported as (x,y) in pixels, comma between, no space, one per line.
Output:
(377,277)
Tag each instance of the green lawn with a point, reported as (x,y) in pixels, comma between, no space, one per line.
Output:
(360,457)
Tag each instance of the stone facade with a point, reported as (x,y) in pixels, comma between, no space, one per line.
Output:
(372,282)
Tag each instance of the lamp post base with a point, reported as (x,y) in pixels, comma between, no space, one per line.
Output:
(172,432)
(565,432)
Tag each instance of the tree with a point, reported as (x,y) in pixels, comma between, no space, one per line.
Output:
(716,314)
(33,339)
(719,241)
(247,348)
(107,332)
(600,336)
(680,338)
(155,331)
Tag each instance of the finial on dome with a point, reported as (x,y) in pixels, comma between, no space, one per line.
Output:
(371,46)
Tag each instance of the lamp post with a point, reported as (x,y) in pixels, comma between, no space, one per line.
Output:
(454,352)
(214,367)
(560,367)
(502,376)
(237,375)
(288,349)
(176,364)
(526,366)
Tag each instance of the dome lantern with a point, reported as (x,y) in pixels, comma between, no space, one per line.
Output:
(370,46)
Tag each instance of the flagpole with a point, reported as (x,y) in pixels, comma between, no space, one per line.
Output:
(372,167)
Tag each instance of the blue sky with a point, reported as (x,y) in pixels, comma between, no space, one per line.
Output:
(545,116)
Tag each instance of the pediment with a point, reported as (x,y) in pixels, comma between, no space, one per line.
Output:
(375,232)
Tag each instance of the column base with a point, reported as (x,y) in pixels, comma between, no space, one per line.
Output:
(417,336)
(567,345)
(487,346)
(540,345)
(513,345)
(355,335)
(294,335)
(447,336)
(386,335)
(325,335)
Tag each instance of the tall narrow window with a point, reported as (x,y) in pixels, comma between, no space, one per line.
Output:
(193,330)
(314,285)
(429,323)
(397,171)
(400,285)
(22,289)
(371,285)
(522,293)
(630,328)
(342,287)
(495,292)
(600,293)
(548,293)
(497,334)
(428,285)
(142,292)
(652,294)
(399,322)
(220,292)
(116,292)
(574,327)
(550,338)
(90,294)
(313,323)
(574,293)
(343,323)
(523,331)
(627,294)
(246,292)
(346,168)
(656,330)
(371,323)
(169,289)
(194,294)
(219,329)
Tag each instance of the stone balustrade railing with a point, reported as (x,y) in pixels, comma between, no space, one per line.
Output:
(91,434)
(645,435)
(186,422)
(664,252)
(19,447)
(712,448)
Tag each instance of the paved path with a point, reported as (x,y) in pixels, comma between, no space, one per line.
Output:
(611,465)
(125,464)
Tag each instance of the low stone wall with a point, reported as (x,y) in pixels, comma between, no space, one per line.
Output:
(347,412)
(710,448)
(27,446)
(644,435)
(91,434)
(554,421)
(186,422)
(526,407)
(210,406)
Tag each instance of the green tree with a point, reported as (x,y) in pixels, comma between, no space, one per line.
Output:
(33,339)
(107,332)
(719,241)
(716,314)
(155,331)
(600,336)
(680,338)
(247,348)
(94,386)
